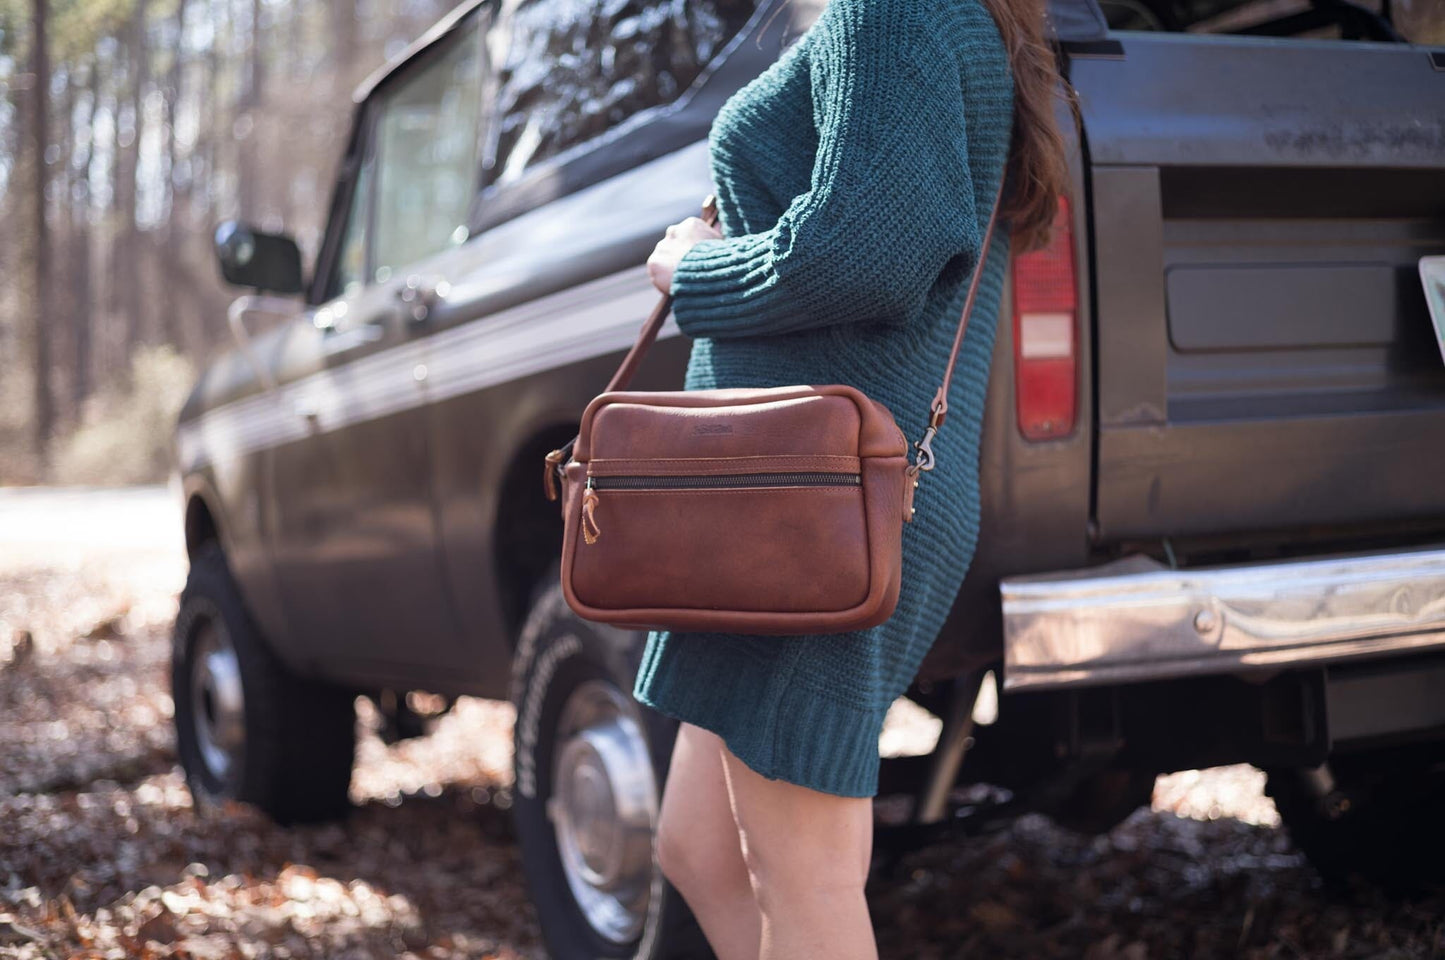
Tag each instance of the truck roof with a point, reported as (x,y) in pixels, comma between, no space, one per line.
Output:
(1068,20)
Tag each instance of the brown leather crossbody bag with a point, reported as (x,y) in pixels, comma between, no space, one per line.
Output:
(762,511)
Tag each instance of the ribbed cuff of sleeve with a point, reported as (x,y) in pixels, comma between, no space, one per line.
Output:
(717,282)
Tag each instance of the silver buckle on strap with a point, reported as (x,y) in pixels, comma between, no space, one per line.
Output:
(925,460)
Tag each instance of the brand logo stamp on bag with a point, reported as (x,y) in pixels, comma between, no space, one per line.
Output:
(715,428)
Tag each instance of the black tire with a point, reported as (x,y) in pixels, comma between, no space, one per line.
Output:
(557,655)
(297,737)
(1380,823)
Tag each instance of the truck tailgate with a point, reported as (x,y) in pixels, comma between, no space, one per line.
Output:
(1265,358)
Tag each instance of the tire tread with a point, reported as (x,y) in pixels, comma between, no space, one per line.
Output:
(300,733)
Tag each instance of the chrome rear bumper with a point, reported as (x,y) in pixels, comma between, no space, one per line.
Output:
(1135,619)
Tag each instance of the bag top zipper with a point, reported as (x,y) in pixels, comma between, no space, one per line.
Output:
(730,481)
(727,481)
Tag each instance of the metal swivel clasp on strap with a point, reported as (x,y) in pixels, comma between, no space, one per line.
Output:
(925,459)
(924,445)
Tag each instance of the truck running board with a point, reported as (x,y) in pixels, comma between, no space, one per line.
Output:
(1135,619)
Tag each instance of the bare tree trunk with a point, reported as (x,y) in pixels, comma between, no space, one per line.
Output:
(14,214)
(81,320)
(170,305)
(204,206)
(107,348)
(295,33)
(295,37)
(40,67)
(62,299)
(249,110)
(128,279)
(343,43)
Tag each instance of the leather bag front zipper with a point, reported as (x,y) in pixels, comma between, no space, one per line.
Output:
(725,481)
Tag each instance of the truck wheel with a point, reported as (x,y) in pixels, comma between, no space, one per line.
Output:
(1379,818)
(589,763)
(246,728)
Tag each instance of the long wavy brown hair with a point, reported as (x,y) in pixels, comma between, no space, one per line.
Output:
(1037,171)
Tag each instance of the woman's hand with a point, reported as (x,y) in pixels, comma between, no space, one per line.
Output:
(669,250)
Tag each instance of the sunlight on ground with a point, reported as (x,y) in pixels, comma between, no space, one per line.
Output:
(68,526)
(1236,791)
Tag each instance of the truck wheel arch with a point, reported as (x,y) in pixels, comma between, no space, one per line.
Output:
(201,520)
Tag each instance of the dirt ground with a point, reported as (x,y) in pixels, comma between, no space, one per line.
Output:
(102,854)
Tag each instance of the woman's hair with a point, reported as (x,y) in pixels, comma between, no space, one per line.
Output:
(1037,170)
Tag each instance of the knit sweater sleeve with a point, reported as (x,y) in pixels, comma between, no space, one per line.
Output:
(890,202)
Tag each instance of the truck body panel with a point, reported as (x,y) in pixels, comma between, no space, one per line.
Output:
(1259,208)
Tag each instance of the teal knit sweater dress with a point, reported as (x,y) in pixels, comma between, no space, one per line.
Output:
(854,177)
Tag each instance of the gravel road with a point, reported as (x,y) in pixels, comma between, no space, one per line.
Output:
(102,855)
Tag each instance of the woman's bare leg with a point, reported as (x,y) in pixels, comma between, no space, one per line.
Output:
(807,854)
(698,846)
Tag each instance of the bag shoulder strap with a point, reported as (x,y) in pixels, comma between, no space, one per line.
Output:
(940,399)
(648,335)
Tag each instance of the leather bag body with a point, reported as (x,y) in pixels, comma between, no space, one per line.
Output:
(754,511)
(774,511)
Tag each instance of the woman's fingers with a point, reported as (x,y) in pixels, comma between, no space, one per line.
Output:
(663,261)
(678,239)
(693,229)
(700,228)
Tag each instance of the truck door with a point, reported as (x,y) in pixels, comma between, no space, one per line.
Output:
(355,537)
(1259,206)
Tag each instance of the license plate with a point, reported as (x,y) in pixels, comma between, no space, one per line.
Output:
(1432,277)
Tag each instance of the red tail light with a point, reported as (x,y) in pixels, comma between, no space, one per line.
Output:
(1046,316)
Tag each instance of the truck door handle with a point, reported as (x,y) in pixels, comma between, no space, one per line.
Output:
(420,295)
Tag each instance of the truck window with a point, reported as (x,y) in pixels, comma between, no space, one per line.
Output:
(1414,21)
(350,275)
(426,149)
(574,71)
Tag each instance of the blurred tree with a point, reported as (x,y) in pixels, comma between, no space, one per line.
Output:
(155,120)
(248,118)
(78,202)
(127,254)
(41,290)
(170,305)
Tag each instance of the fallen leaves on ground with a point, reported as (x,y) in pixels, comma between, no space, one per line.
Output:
(1157,886)
(102,854)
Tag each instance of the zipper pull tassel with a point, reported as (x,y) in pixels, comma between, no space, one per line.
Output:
(590,530)
(550,467)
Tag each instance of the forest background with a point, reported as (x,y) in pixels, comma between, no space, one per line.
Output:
(128,130)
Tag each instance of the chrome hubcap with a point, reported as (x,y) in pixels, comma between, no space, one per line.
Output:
(217,702)
(604,809)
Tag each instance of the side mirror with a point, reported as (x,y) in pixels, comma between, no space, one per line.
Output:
(263,261)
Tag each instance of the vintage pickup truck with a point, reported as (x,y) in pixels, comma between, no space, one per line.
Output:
(1214,519)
